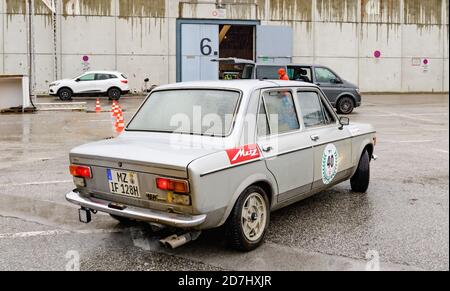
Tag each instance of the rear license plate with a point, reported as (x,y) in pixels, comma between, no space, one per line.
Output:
(123,183)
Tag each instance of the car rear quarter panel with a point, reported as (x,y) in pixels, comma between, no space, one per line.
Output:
(216,184)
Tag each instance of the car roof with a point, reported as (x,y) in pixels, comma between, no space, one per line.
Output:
(243,85)
(231,60)
(290,64)
(102,72)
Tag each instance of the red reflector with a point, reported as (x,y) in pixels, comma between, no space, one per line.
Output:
(124,81)
(80,171)
(177,186)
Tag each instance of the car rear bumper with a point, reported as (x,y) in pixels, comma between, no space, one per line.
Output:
(142,214)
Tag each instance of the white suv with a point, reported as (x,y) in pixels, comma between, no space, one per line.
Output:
(93,83)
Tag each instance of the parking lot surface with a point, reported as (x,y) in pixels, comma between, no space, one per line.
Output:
(403,220)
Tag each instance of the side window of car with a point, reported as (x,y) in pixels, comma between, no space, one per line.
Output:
(312,109)
(263,121)
(300,74)
(281,111)
(88,77)
(324,75)
(101,77)
(112,76)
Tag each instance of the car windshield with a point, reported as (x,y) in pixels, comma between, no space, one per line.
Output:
(189,111)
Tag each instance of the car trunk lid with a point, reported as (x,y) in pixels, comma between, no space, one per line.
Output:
(167,154)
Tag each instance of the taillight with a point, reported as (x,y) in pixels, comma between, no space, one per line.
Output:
(177,186)
(124,81)
(80,171)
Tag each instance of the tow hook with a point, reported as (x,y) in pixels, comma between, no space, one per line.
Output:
(175,241)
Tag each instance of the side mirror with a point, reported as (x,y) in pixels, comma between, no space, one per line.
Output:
(77,80)
(343,121)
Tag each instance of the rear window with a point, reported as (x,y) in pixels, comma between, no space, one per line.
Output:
(200,112)
(123,76)
(267,72)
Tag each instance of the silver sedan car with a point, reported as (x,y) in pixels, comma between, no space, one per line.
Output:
(201,155)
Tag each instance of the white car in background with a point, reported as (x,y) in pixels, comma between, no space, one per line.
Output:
(92,83)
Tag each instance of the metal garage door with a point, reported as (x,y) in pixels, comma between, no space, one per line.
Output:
(199,44)
(274,44)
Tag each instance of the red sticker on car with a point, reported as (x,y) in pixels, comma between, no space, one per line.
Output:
(243,154)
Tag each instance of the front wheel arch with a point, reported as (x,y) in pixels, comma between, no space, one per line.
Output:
(369,148)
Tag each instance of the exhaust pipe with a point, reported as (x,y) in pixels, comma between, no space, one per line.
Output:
(174,241)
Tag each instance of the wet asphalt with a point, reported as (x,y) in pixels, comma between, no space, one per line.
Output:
(403,220)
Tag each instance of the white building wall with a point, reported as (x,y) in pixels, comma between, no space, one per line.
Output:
(138,37)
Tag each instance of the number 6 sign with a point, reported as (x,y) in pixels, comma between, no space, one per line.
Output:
(205,48)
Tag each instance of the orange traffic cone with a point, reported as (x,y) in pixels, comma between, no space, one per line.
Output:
(120,125)
(115,109)
(97,106)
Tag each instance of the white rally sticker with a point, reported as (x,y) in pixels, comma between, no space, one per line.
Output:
(354,130)
(330,159)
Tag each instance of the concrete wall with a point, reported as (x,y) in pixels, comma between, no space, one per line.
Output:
(138,37)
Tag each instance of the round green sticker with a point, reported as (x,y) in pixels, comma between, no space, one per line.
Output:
(329,163)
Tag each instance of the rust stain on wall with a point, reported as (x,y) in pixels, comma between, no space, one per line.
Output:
(446,7)
(240,9)
(142,8)
(291,10)
(423,13)
(87,7)
(20,7)
(261,8)
(381,11)
(338,10)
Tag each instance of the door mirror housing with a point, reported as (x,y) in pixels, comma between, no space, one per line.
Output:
(343,121)
(77,80)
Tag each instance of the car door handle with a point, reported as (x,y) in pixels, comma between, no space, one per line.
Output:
(266,148)
(314,137)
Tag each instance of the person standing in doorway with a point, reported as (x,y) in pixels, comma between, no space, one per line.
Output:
(282,74)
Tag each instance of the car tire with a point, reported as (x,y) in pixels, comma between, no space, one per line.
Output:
(250,210)
(122,220)
(345,105)
(360,180)
(65,94)
(114,93)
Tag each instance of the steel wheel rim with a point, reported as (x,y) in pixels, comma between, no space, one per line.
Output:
(254,216)
(345,107)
